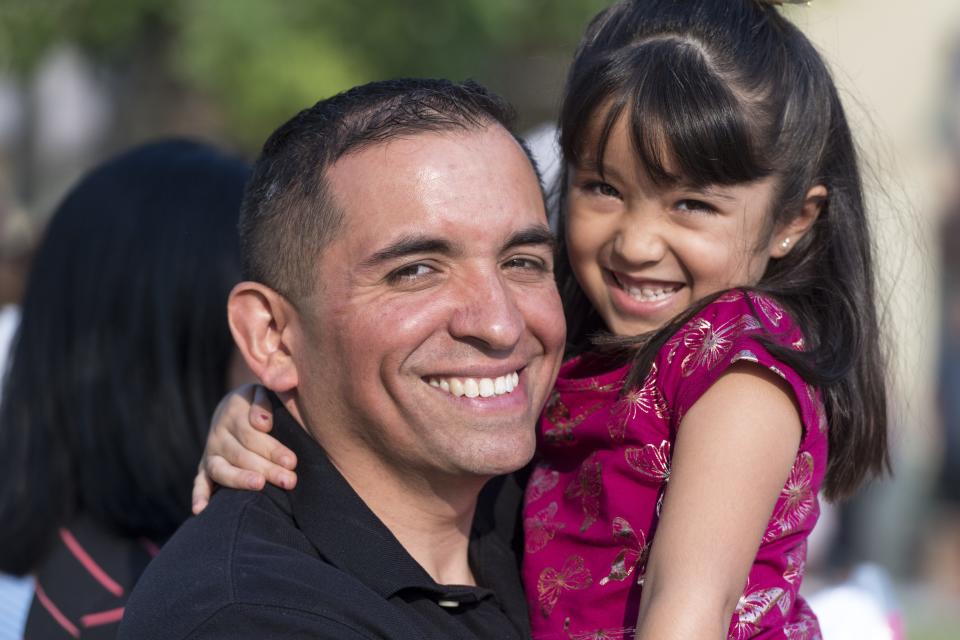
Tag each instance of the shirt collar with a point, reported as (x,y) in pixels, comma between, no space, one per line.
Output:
(348,535)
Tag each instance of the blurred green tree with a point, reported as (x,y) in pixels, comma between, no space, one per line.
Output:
(258,61)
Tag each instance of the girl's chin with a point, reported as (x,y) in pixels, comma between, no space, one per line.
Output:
(631,327)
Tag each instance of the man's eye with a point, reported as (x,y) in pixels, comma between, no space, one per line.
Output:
(409,273)
(527,263)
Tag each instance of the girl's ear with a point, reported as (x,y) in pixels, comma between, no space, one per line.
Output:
(261,321)
(790,234)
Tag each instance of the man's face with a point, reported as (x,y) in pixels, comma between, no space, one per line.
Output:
(435,330)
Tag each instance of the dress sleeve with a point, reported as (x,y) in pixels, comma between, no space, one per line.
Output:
(727,331)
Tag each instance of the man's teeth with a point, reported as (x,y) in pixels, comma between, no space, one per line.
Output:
(477,387)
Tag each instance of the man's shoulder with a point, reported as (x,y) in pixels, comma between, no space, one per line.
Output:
(243,561)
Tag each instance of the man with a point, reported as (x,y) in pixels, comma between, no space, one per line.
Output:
(401,306)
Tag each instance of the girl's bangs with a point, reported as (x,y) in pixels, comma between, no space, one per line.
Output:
(687,125)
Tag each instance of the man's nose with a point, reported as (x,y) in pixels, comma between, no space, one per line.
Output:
(487,313)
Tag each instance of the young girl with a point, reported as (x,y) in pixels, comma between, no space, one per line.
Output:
(717,279)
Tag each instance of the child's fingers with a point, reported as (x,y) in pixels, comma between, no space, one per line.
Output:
(270,458)
(283,456)
(222,472)
(280,477)
(231,413)
(203,488)
(261,418)
(261,410)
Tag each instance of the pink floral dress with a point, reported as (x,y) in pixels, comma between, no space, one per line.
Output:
(593,501)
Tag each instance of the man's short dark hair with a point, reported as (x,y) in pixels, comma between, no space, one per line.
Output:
(288,215)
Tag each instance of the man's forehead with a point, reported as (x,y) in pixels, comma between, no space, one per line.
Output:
(438,179)
(429,149)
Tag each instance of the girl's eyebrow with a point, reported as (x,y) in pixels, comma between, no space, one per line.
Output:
(707,191)
(605,170)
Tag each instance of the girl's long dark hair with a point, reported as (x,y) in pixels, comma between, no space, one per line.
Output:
(731,92)
(123,349)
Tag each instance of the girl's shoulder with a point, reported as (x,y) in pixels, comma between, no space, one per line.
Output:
(740,326)
(737,316)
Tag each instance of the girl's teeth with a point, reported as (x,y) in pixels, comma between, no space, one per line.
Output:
(477,387)
(649,294)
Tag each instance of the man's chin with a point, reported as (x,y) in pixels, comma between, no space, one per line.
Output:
(506,456)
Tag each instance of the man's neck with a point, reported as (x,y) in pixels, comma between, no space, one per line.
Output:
(433,527)
(431,518)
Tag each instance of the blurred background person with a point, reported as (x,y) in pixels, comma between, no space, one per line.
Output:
(16,243)
(120,357)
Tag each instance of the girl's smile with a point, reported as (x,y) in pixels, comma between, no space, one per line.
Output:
(640,297)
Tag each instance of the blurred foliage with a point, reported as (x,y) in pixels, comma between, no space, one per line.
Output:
(260,60)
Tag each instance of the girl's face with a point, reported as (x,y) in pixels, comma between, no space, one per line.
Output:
(643,253)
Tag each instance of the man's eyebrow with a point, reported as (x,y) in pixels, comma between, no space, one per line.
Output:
(532,236)
(406,246)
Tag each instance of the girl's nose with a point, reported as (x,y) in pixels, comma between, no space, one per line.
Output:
(641,238)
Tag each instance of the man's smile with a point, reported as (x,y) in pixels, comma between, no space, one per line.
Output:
(477,387)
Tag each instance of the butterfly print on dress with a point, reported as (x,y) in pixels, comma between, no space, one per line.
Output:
(796,499)
(793,573)
(708,345)
(541,481)
(558,415)
(770,309)
(632,556)
(587,487)
(647,399)
(796,563)
(573,576)
(650,461)
(540,528)
(753,605)
(653,463)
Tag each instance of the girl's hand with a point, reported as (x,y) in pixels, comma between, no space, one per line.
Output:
(239,453)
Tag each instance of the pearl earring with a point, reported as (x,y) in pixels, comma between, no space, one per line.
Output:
(785,244)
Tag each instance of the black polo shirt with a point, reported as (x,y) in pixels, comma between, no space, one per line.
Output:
(316,563)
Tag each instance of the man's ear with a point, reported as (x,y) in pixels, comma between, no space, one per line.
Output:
(787,237)
(261,320)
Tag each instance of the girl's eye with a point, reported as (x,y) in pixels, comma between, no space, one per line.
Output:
(602,189)
(695,206)
(409,273)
